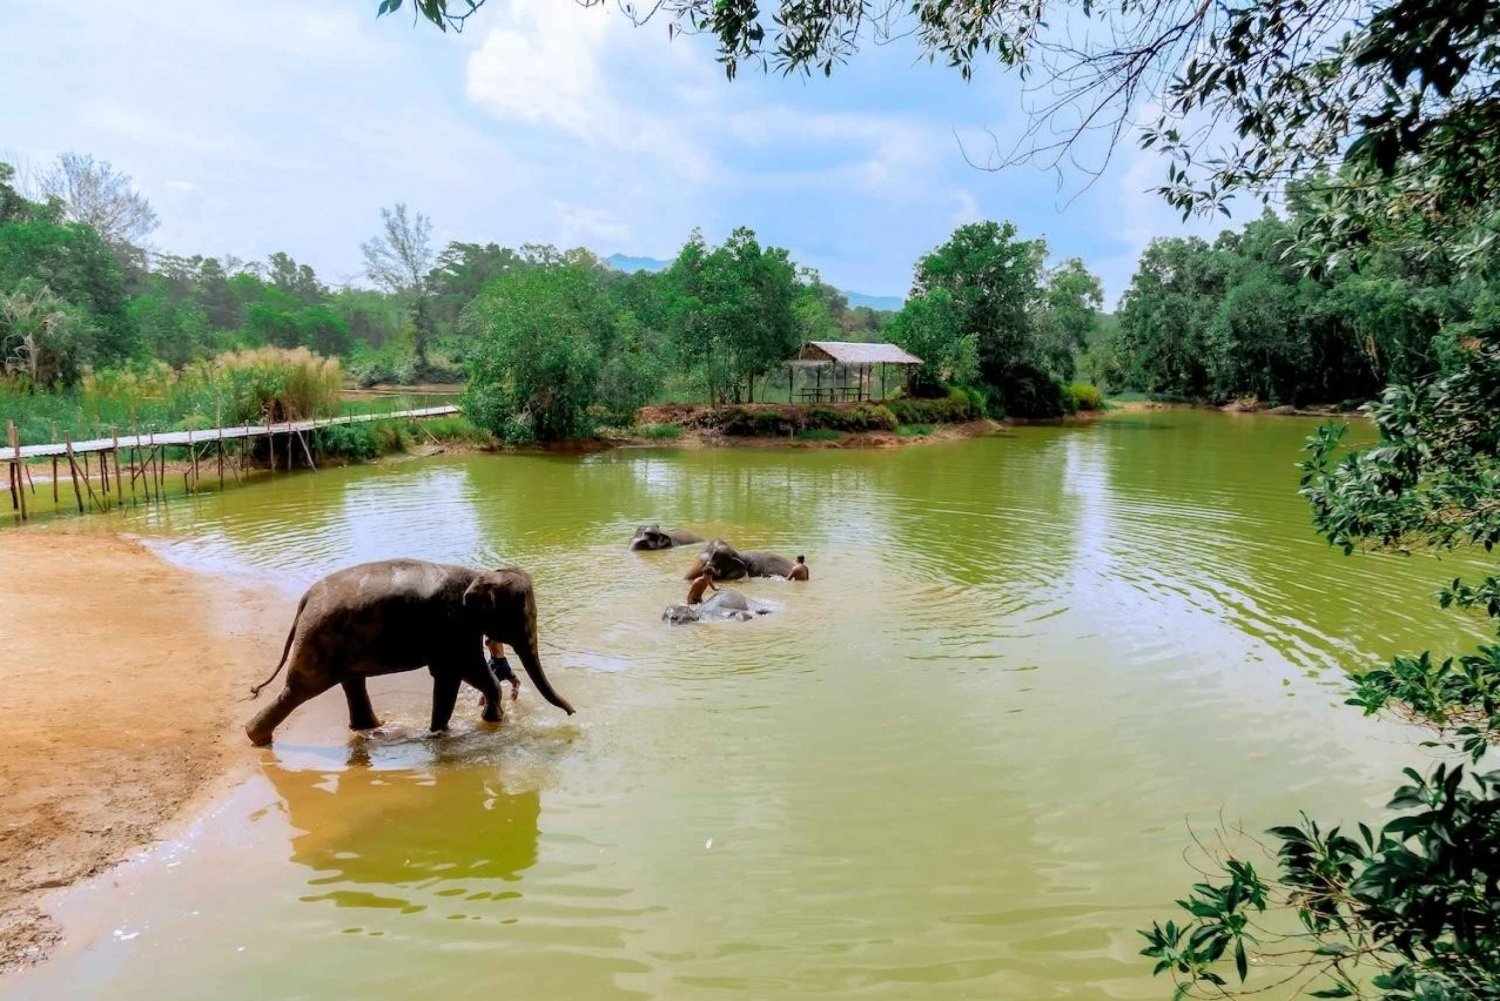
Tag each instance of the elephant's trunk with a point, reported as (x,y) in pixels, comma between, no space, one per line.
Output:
(533,664)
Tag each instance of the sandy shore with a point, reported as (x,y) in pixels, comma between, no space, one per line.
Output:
(119,676)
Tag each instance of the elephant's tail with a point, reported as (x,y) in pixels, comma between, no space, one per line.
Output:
(285,651)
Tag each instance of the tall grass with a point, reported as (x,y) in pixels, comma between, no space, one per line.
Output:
(251,386)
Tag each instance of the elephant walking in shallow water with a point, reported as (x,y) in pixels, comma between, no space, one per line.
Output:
(728,563)
(399,615)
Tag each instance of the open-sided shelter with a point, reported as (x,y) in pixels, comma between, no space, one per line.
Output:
(842,370)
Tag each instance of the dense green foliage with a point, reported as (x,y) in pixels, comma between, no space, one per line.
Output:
(985,311)
(1240,318)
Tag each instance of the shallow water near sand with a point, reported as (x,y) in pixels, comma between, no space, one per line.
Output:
(961,762)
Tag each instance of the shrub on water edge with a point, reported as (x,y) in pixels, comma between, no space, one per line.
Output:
(914,430)
(350,441)
(818,434)
(661,431)
(457,428)
(1085,396)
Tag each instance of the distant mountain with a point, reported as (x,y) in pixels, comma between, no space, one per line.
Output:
(621,262)
(883,302)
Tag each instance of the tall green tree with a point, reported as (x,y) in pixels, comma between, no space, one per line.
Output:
(399,259)
(931,326)
(536,361)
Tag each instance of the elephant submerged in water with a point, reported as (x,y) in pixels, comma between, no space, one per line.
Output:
(728,563)
(724,606)
(655,537)
(399,615)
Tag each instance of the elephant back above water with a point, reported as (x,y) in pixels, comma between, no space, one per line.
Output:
(656,537)
(724,606)
(728,563)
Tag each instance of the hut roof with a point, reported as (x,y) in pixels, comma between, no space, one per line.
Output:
(856,353)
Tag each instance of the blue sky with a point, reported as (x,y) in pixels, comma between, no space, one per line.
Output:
(286,125)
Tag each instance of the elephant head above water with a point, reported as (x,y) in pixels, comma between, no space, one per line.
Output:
(655,537)
(728,563)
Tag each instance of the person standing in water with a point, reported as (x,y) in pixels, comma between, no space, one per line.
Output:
(702,582)
(501,668)
(798,572)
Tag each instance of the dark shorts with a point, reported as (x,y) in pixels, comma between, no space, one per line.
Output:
(502,671)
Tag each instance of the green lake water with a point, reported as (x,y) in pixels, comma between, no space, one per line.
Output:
(961,762)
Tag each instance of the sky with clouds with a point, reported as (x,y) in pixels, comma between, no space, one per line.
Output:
(286,125)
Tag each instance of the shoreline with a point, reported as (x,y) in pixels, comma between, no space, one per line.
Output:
(92,769)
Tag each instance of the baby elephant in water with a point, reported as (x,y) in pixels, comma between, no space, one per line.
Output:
(724,606)
(655,537)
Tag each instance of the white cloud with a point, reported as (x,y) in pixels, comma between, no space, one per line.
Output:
(543,66)
(587,226)
(968,207)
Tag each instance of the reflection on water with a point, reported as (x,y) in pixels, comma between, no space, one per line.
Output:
(957,763)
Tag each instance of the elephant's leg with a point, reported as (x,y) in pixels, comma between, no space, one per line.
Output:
(444,697)
(481,677)
(260,729)
(361,713)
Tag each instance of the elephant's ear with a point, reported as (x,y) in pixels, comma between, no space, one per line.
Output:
(489,589)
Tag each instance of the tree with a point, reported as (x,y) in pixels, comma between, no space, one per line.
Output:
(398,260)
(994,281)
(461,271)
(94,193)
(536,361)
(732,309)
(931,326)
(1065,315)
(1408,910)
(42,338)
(294,279)
(77,267)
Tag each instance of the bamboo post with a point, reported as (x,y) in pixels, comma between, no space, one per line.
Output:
(221,460)
(54,467)
(15,444)
(306,451)
(15,502)
(152,467)
(193,451)
(271,444)
(73,469)
(114,456)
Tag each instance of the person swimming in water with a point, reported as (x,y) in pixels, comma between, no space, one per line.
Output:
(798,572)
(702,582)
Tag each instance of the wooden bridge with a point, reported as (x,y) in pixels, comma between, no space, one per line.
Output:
(146,456)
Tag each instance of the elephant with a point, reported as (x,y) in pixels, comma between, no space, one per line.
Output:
(725,606)
(727,563)
(399,615)
(655,537)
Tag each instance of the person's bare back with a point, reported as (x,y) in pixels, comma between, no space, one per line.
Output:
(799,569)
(703,582)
